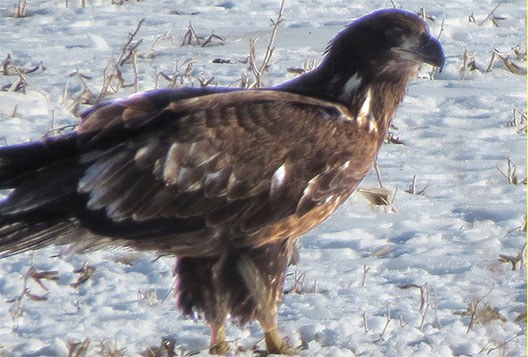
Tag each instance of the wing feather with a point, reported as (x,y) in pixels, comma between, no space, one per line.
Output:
(222,166)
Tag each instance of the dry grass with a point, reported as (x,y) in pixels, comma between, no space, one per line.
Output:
(489,347)
(299,285)
(8,68)
(182,75)
(388,319)
(517,260)
(510,173)
(20,9)
(413,190)
(518,121)
(422,289)
(149,296)
(520,228)
(16,311)
(21,83)
(113,78)
(192,38)
(512,66)
(86,96)
(366,269)
(379,197)
(110,349)
(165,349)
(78,349)
(491,16)
(308,65)
(424,15)
(480,312)
(259,69)
(511,61)
(123,72)
(427,302)
(391,138)
(86,272)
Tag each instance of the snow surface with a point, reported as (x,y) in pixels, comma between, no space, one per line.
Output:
(353,267)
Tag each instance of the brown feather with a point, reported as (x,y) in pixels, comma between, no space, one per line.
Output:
(225,179)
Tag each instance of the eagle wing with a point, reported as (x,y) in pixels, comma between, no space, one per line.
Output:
(204,171)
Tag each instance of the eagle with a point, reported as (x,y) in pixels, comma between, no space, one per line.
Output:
(223,179)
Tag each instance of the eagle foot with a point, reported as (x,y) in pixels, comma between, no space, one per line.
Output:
(220,348)
(218,344)
(276,345)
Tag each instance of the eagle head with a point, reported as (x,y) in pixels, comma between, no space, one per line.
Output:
(368,65)
(371,61)
(384,41)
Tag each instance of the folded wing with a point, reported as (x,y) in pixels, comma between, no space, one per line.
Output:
(187,177)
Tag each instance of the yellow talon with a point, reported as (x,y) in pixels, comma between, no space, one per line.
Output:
(219,346)
(276,345)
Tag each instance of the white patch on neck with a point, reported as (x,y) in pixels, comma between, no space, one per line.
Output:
(372,125)
(365,116)
(351,85)
(365,107)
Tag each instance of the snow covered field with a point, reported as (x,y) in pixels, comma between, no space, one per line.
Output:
(357,289)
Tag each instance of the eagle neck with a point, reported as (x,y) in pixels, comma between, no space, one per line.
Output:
(352,87)
(385,99)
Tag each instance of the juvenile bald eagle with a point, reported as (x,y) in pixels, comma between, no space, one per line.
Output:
(222,179)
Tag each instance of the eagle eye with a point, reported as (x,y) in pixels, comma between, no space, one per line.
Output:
(424,38)
(394,33)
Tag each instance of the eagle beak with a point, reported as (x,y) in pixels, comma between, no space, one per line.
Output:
(431,53)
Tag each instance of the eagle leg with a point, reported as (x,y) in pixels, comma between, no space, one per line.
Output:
(263,275)
(218,344)
(198,290)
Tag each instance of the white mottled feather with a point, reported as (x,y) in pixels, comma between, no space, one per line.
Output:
(365,107)
(351,85)
(171,165)
(278,179)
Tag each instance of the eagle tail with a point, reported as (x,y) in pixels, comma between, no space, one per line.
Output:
(19,234)
(17,162)
(32,215)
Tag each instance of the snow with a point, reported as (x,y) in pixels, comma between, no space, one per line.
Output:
(447,240)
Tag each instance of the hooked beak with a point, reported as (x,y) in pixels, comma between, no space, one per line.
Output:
(430,52)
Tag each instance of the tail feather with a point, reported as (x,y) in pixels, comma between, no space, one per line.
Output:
(20,236)
(35,213)
(17,162)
